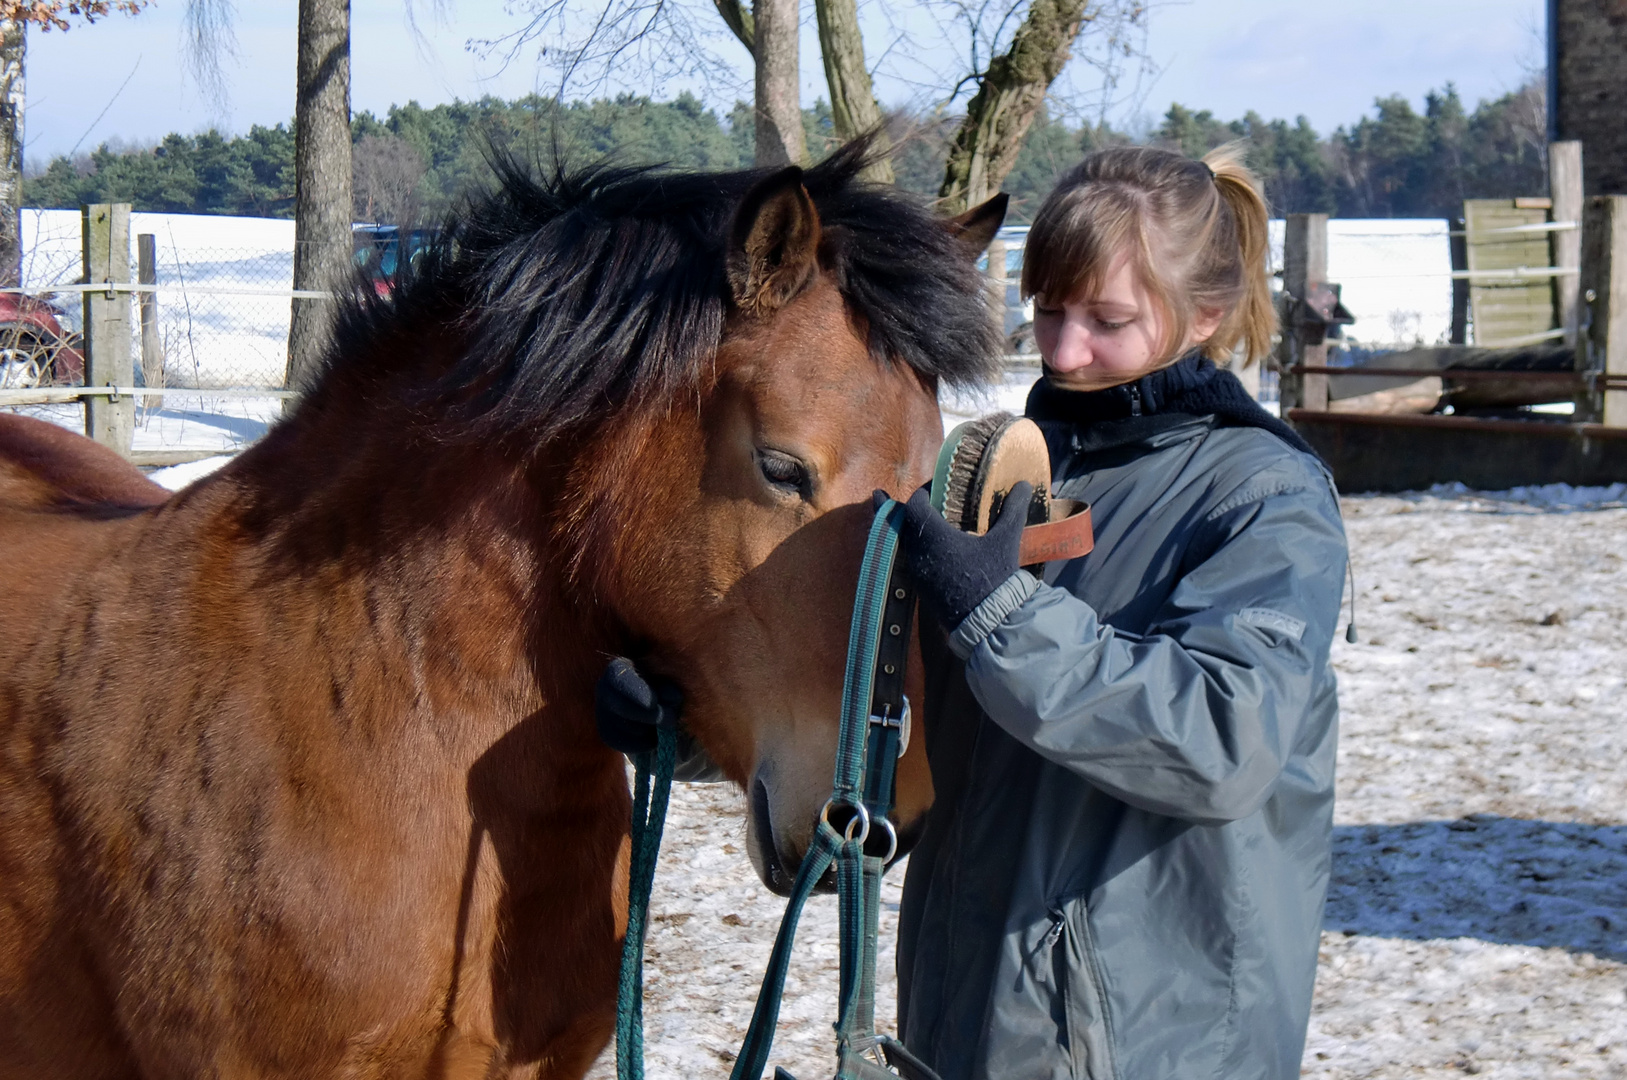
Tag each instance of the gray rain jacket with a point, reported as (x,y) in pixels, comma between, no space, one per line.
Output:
(1124,869)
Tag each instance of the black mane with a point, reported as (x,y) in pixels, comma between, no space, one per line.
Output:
(586,289)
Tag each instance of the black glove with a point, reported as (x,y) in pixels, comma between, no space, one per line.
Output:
(630,707)
(956,571)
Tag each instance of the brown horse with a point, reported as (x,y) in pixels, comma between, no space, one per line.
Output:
(298,772)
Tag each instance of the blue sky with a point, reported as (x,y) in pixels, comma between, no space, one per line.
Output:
(127,78)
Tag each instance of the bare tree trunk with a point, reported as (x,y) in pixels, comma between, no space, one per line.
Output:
(853,104)
(13,51)
(1008,98)
(321,178)
(780,139)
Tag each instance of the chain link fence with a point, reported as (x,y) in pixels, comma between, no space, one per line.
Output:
(209,328)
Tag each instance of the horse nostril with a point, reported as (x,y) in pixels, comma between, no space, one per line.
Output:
(775,874)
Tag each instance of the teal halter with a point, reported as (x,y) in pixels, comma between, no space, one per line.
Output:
(851,826)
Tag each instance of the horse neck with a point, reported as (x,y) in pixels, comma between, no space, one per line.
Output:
(446,547)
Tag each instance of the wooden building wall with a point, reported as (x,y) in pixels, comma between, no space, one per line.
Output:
(1588,82)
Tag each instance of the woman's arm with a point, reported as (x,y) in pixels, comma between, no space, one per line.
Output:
(1196,718)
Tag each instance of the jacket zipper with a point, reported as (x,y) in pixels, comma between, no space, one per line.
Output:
(1135,400)
(1091,976)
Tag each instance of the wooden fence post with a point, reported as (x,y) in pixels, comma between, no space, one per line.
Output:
(1565,188)
(1604,294)
(1457,243)
(152,350)
(1304,266)
(106,234)
(997,283)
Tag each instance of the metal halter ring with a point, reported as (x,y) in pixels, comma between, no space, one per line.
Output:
(861,818)
(892,840)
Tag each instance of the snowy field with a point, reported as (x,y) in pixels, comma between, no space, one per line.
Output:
(214,329)
(1477,922)
(1394,273)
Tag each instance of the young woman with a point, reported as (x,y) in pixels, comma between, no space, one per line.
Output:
(1124,869)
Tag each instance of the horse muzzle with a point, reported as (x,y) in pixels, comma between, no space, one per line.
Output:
(776,860)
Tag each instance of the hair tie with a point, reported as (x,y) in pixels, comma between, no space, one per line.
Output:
(1208,170)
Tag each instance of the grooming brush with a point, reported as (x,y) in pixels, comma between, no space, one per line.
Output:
(979,464)
(981,461)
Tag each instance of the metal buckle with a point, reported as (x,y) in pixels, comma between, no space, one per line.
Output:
(902,723)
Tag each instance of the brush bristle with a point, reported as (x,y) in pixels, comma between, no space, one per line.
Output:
(960,500)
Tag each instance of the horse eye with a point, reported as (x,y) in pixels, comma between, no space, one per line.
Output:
(783,471)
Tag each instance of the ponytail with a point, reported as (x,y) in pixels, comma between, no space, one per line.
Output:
(1254,318)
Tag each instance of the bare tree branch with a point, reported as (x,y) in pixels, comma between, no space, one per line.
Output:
(210,41)
(1008,97)
(591,46)
(1015,56)
(740,21)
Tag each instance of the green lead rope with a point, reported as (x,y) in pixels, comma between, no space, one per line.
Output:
(649,819)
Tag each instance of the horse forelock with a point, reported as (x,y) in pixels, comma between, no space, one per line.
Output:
(584,292)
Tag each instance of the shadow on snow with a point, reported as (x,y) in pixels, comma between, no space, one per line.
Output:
(1504,880)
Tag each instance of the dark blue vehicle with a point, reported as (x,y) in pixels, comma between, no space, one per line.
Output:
(378,251)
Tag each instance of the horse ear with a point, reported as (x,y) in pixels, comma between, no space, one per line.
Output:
(977,226)
(774,248)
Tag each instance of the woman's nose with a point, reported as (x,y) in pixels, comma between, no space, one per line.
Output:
(1072,347)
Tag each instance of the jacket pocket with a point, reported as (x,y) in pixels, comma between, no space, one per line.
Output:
(1078,975)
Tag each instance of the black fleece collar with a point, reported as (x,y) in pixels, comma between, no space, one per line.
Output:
(1190,387)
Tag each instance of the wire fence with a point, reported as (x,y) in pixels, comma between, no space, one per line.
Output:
(222,315)
(209,331)
(220,293)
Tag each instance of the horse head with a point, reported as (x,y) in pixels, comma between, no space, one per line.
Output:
(736,518)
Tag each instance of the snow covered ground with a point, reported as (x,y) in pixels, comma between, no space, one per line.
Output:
(186,421)
(1477,922)
(1393,274)
(1009,395)
(210,338)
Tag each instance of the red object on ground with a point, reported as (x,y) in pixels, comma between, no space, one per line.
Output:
(35,349)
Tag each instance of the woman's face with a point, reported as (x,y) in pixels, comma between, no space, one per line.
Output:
(1109,337)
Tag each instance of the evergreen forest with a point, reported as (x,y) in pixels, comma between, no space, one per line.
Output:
(413,163)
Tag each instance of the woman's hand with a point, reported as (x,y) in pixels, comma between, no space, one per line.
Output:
(956,571)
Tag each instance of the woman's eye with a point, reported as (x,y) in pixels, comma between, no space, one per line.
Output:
(783,471)
(1105,325)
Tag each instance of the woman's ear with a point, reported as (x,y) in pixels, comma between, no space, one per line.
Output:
(1205,321)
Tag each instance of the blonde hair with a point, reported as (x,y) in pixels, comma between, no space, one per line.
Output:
(1195,232)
